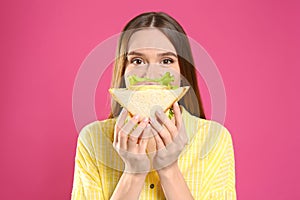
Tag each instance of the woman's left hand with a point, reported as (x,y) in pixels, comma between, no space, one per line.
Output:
(170,138)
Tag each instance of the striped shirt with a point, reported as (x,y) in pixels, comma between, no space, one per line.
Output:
(206,163)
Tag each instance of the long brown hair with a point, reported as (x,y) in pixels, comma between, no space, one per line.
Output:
(175,33)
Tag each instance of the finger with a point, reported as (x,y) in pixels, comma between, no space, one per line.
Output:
(158,140)
(146,134)
(119,123)
(125,131)
(179,124)
(173,121)
(167,123)
(177,114)
(127,128)
(144,139)
(116,135)
(162,132)
(134,136)
(121,119)
(122,139)
(140,128)
(156,125)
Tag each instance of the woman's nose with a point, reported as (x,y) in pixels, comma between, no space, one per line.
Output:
(153,71)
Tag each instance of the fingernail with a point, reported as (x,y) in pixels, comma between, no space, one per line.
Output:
(151,119)
(145,119)
(160,112)
(176,104)
(136,116)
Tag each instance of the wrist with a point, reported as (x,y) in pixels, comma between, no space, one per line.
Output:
(135,177)
(169,171)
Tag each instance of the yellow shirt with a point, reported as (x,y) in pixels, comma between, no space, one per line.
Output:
(206,163)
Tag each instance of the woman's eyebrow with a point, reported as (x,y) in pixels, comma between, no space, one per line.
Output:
(159,54)
(167,54)
(135,53)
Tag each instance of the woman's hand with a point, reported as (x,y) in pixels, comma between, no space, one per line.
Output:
(170,138)
(130,143)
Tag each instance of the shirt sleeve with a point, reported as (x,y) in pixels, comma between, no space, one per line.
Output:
(223,186)
(87,181)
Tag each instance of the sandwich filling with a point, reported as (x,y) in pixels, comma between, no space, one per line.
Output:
(145,99)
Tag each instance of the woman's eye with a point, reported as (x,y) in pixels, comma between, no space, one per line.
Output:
(167,61)
(137,61)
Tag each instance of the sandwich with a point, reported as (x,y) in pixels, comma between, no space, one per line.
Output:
(146,99)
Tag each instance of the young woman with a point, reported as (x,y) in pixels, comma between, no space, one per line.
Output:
(187,157)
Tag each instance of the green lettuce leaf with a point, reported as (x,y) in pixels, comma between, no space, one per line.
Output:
(166,80)
(171,113)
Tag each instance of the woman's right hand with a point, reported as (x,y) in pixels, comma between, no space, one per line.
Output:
(131,143)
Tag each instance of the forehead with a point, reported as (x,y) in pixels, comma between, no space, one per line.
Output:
(150,38)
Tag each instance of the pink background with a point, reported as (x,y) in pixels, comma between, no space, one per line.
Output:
(255,45)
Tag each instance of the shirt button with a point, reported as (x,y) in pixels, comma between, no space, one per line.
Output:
(151,185)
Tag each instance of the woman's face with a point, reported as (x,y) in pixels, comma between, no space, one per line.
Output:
(151,54)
